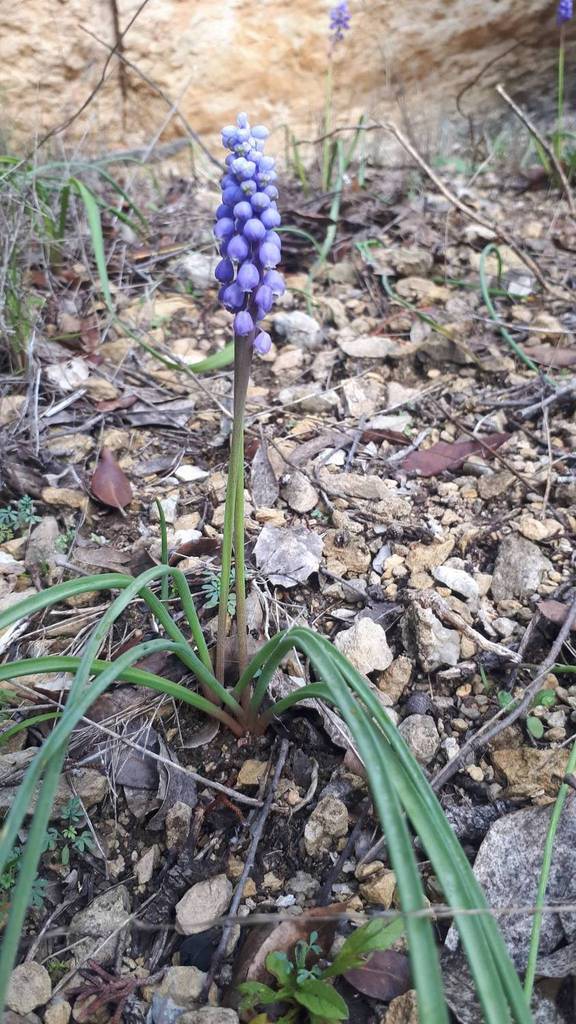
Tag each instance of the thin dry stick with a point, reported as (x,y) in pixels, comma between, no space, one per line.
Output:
(499,232)
(114,50)
(249,864)
(159,92)
(434,912)
(430,599)
(542,142)
(492,728)
(561,393)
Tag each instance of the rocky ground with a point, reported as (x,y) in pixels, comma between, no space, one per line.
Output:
(410,493)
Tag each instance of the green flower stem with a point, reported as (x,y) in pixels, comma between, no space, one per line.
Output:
(233,533)
(516,348)
(544,877)
(327,143)
(560,115)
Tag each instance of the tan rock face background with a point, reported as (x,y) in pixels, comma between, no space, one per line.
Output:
(214,57)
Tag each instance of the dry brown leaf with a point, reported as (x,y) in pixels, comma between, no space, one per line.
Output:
(110,485)
(385,975)
(551,355)
(449,455)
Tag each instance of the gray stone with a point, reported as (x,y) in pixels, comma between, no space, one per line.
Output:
(58,1012)
(98,927)
(210,1015)
(367,346)
(41,546)
(428,640)
(29,986)
(183,985)
(421,736)
(365,645)
(197,268)
(298,328)
(520,566)
(10,1017)
(457,580)
(327,823)
(309,397)
(302,883)
(288,556)
(299,493)
(508,866)
(202,902)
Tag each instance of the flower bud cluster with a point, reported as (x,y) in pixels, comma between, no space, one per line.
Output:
(340,18)
(245,229)
(564,11)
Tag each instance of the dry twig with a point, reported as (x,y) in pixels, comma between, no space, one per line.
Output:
(499,232)
(557,165)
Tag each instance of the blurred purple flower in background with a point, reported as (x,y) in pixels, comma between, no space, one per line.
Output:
(245,222)
(564,11)
(339,21)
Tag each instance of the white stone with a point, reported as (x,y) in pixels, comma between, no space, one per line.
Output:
(432,643)
(365,645)
(457,580)
(519,569)
(298,328)
(29,986)
(190,474)
(299,493)
(202,902)
(197,268)
(169,505)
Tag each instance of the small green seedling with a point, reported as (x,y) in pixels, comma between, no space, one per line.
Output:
(65,540)
(69,838)
(15,517)
(211,590)
(8,879)
(544,698)
(305,992)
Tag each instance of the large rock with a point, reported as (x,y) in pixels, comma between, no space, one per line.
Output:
(179,44)
(508,866)
(98,927)
(520,566)
(30,986)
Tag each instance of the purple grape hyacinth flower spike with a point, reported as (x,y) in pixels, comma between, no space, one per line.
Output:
(244,229)
(340,18)
(564,11)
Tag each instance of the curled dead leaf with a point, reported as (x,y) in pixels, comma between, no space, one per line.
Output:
(109,484)
(385,975)
(451,454)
